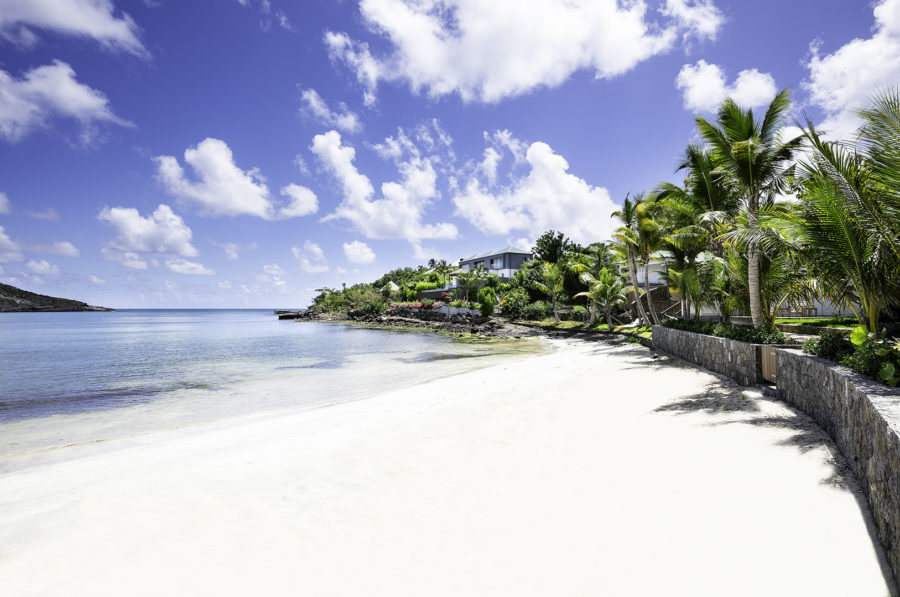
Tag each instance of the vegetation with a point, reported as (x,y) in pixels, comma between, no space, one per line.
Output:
(729,331)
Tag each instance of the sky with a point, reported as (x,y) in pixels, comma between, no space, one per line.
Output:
(243,153)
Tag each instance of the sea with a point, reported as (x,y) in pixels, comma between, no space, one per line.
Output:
(75,380)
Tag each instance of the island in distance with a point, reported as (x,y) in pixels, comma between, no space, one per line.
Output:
(14,300)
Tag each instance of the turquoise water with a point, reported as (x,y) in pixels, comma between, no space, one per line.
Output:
(75,378)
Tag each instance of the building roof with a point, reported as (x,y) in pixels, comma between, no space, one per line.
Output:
(502,251)
(391,286)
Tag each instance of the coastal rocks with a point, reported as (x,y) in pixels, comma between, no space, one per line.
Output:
(863,418)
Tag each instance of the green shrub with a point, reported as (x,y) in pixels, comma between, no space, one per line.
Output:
(536,311)
(865,360)
(459,303)
(514,303)
(374,307)
(427,286)
(486,300)
(729,331)
(578,309)
(829,345)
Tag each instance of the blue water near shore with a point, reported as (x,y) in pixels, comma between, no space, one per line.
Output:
(75,378)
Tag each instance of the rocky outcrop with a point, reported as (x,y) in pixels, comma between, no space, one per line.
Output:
(14,300)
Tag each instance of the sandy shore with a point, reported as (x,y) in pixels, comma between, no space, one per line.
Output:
(593,470)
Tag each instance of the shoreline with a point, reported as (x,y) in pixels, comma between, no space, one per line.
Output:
(590,468)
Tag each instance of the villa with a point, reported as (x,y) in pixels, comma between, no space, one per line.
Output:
(503,262)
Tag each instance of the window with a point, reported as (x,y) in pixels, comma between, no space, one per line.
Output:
(497,263)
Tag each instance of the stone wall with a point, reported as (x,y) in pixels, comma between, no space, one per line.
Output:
(738,360)
(863,418)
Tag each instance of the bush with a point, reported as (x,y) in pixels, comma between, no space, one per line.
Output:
(486,299)
(459,303)
(829,345)
(427,286)
(865,360)
(727,330)
(536,311)
(374,307)
(514,303)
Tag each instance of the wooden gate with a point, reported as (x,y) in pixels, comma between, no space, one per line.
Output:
(767,357)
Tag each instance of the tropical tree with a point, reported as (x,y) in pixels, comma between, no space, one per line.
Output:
(605,291)
(468,280)
(649,240)
(757,164)
(627,236)
(554,279)
(552,245)
(443,269)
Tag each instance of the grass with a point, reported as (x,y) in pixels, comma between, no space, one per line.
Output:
(825,322)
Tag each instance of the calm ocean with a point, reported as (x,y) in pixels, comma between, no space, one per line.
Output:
(70,379)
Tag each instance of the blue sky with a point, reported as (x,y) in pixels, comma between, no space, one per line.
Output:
(241,153)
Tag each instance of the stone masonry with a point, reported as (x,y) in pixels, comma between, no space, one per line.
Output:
(738,360)
(863,418)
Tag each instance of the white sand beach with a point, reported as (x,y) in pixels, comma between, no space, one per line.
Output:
(591,470)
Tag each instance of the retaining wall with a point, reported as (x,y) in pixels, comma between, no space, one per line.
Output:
(863,418)
(740,361)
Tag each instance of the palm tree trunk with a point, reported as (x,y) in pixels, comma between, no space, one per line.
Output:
(753,264)
(593,317)
(635,285)
(609,324)
(650,304)
(555,308)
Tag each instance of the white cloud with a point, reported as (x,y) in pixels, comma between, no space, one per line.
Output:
(703,87)
(82,18)
(273,270)
(47,92)
(225,285)
(97,280)
(62,248)
(312,258)
(844,80)
(700,18)
(48,214)
(188,268)
(303,201)
(549,196)
(9,249)
(442,46)
(359,252)
(124,258)
(315,107)
(399,213)
(42,267)
(162,232)
(231,250)
(4,203)
(221,188)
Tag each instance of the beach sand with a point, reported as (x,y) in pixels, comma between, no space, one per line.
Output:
(591,470)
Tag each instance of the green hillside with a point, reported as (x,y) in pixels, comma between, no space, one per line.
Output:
(14,299)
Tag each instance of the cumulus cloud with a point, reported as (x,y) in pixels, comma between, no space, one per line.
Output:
(48,92)
(9,249)
(303,201)
(97,280)
(844,80)
(62,248)
(548,196)
(311,257)
(4,203)
(42,267)
(124,258)
(162,232)
(439,46)
(221,187)
(704,87)
(398,214)
(359,252)
(342,118)
(94,19)
(188,268)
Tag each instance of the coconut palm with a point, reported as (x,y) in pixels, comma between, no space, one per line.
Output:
(554,279)
(468,281)
(605,291)
(628,239)
(757,164)
(649,240)
(443,269)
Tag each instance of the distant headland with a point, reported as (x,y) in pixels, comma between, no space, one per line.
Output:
(13,300)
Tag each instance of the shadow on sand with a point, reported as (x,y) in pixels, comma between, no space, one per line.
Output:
(724,396)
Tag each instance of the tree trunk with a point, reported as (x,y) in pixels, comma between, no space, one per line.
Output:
(753,264)
(593,318)
(635,286)
(555,308)
(609,324)
(650,304)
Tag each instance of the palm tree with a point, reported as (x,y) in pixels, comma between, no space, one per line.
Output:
(598,257)
(606,291)
(628,238)
(468,281)
(757,163)
(443,269)
(649,237)
(554,279)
